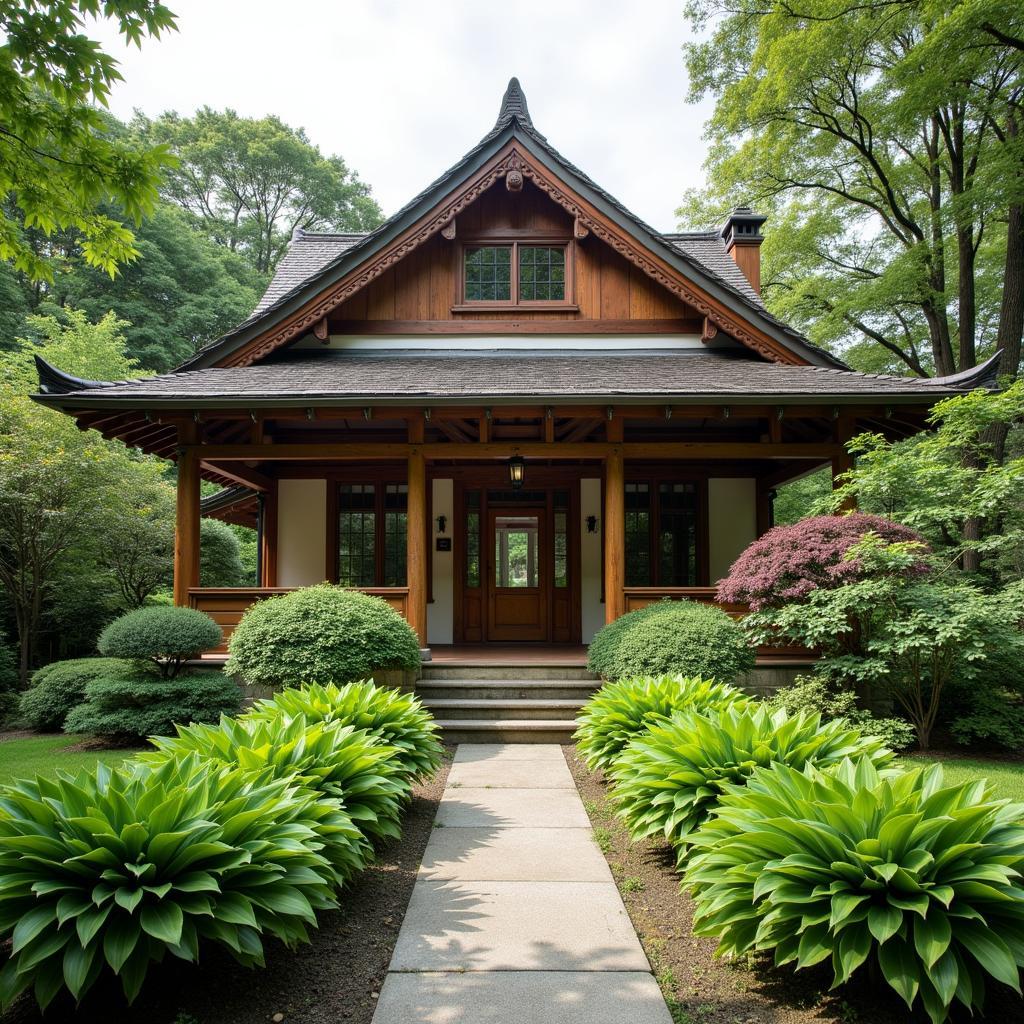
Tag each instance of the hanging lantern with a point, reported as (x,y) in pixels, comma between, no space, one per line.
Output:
(516,471)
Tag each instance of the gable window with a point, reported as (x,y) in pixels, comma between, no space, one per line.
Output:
(516,274)
(372,522)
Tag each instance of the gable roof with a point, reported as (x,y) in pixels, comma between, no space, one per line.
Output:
(696,258)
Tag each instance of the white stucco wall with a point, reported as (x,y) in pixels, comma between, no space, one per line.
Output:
(440,612)
(301,532)
(590,559)
(732,521)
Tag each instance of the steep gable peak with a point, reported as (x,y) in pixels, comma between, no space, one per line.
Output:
(513,107)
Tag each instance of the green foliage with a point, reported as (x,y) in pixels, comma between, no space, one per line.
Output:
(163,636)
(320,634)
(994,717)
(10,682)
(146,705)
(220,555)
(815,694)
(672,638)
(60,163)
(337,760)
(110,871)
(669,779)
(621,710)
(397,719)
(59,687)
(901,874)
(250,182)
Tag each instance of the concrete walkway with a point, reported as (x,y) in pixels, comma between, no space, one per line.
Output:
(514,916)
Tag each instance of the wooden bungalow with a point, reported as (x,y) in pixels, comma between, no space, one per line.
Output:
(513,410)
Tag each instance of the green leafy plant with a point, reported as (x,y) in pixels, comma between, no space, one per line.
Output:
(672,638)
(60,686)
(161,636)
(900,873)
(146,705)
(322,634)
(669,779)
(336,760)
(621,710)
(833,701)
(110,871)
(398,719)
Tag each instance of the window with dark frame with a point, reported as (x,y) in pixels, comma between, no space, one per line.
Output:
(515,273)
(661,526)
(372,529)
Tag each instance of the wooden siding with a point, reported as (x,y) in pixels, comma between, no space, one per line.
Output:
(424,285)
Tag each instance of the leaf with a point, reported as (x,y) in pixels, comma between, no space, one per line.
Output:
(77,964)
(30,925)
(990,951)
(163,921)
(900,967)
(932,936)
(119,940)
(884,922)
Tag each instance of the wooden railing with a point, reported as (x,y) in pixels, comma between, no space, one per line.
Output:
(227,605)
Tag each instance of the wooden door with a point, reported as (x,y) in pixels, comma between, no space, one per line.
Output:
(517,574)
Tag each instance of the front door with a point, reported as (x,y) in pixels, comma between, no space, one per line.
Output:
(517,589)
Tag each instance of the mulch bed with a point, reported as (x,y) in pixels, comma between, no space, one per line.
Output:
(333,980)
(701,988)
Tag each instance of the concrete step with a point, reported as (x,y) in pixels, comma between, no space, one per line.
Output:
(499,710)
(489,670)
(502,689)
(509,730)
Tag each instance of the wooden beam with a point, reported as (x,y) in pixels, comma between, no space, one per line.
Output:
(614,535)
(240,474)
(842,460)
(523,326)
(342,452)
(416,545)
(186,532)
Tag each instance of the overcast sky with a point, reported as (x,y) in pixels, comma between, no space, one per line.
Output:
(402,88)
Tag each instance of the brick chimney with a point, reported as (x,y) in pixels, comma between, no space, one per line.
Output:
(743,238)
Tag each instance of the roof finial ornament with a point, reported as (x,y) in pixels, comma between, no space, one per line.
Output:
(513,105)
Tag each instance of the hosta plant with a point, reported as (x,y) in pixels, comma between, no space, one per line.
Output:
(669,779)
(399,719)
(900,875)
(336,760)
(619,711)
(109,871)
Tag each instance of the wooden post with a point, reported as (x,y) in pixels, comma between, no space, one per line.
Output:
(842,462)
(268,554)
(186,531)
(614,527)
(416,534)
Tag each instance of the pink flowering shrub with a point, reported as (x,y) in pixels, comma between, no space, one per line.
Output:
(789,562)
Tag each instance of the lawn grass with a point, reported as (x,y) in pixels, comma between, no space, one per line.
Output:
(29,756)
(1006,776)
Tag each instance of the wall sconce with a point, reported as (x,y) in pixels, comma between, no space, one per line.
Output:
(516,471)
(591,524)
(442,523)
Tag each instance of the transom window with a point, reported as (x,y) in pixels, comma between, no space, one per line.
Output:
(515,273)
(372,524)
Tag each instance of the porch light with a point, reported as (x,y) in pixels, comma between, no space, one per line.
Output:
(516,471)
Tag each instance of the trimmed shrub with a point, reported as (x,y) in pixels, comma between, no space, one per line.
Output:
(60,686)
(146,705)
(790,562)
(672,638)
(109,871)
(670,778)
(322,634)
(619,711)
(162,636)
(397,719)
(832,701)
(918,880)
(220,556)
(336,760)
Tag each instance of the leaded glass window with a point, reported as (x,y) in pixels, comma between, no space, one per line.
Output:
(357,541)
(489,273)
(677,534)
(638,535)
(541,273)
(472,539)
(396,502)
(561,525)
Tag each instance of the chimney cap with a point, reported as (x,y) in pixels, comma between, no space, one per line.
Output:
(743,227)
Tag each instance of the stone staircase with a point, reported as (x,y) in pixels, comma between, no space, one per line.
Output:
(488,703)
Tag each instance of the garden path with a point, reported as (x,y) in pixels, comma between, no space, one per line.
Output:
(515,916)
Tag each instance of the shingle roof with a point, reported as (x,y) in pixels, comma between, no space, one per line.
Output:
(308,254)
(304,377)
(708,249)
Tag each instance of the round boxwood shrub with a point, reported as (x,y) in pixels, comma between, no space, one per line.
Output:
(107,872)
(146,705)
(60,686)
(669,779)
(162,636)
(322,634)
(672,638)
(621,710)
(916,882)
(398,719)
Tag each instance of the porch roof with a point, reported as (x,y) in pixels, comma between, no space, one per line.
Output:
(325,378)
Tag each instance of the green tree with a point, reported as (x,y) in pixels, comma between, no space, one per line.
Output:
(220,556)
(58,163)
(884,139)
(249,182)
